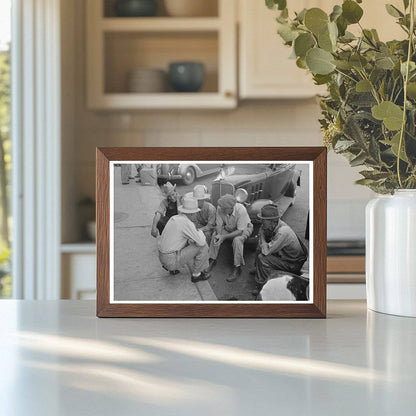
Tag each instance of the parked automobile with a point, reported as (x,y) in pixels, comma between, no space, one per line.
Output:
(186,172)
(256,185)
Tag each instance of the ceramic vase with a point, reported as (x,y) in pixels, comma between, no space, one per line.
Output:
(391,253)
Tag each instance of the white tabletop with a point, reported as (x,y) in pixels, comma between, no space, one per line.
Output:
(58,359)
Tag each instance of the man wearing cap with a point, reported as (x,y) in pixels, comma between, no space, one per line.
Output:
(182,244)
(204,220)
(168,208)
(232,223)
(279,247)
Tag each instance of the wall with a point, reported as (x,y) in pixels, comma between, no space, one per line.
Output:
(265,123)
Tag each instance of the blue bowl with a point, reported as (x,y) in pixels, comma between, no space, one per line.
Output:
(135,8)
(186,76)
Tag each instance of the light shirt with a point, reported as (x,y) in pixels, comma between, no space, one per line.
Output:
(178,232)
(237,220)
(206,217)
(284,243)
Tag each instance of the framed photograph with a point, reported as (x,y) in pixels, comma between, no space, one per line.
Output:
(211,232)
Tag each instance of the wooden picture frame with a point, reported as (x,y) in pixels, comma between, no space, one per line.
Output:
(316,308)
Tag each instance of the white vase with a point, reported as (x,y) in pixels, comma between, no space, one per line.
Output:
(391,253)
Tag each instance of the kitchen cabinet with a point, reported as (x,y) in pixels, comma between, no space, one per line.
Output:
(118,45)
(265,70)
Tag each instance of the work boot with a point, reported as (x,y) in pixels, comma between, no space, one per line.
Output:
(212,264)
(203,276)
(235,274)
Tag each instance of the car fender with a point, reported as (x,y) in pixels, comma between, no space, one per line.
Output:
(255,208)
(184,166)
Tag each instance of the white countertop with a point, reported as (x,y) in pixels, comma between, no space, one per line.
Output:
(58,359)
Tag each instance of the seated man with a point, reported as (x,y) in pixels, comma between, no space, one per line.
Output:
(182,244)
(168,208)
(279,247)
(232,223)
(204,220)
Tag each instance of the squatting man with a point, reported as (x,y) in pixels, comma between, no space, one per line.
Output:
(194,236)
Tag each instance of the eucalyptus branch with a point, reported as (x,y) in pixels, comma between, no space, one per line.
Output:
(406,80)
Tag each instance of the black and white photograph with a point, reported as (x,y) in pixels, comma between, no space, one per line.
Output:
(211,232)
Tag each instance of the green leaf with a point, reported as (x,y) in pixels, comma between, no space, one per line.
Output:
(343,145)
(276,4)
(348,37)
(303,43)
(406,4)
(300,17)
(286,32)
(374,175)
(358,160)
(336,12)
(319,61)
(343,65)
(301,63)
(375,35)
(364,181)
(316,20)
(394,143)
(385,63)
(342,25)
(390,113)
(363,86)
(393,11)
(358,61)
(321,79)
(411,90)
(325,42)
(351,11)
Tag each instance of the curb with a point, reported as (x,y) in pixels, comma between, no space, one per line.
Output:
(205,291)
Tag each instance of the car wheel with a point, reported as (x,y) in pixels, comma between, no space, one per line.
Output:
(189,177)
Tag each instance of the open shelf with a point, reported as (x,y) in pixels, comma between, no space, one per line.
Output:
(116,46)
(160,24)
(211,9)
(127,51)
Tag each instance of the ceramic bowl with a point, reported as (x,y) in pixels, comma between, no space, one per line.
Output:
(186,76)
(135,8)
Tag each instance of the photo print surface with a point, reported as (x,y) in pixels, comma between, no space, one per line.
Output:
(211,232)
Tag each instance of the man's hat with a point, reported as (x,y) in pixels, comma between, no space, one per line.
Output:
(269,212)
(227,201)
(168,188)
(189,205)
(200,192)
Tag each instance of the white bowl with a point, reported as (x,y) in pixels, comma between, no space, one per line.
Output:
(191,8)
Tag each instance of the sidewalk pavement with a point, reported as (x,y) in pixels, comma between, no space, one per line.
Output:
(138,274)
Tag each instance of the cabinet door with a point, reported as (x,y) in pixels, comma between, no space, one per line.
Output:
(265,68)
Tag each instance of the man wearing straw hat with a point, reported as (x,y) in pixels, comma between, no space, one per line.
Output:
(167,209)
(204,220)
(232,223)
(182,244)
(279,249)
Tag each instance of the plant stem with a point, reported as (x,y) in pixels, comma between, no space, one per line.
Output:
(406,80)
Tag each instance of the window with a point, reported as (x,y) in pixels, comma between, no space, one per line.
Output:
(5,144)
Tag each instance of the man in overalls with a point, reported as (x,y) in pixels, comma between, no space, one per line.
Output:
(279,248)
(167,209)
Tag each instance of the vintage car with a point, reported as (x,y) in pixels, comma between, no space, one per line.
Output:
(256,185)
(186,172)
